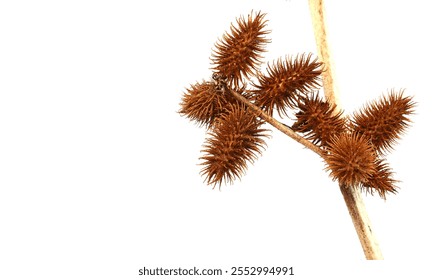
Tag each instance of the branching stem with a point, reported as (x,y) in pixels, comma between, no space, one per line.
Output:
(352,195)
(284,129)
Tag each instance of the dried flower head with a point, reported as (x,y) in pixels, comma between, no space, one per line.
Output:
(385,120)
(204,102)
(235,140)
(381,180)
(351,159)
(238,53)
(285,82)
(318,120)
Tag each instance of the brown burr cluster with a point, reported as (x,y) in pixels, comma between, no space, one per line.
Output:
(353,147)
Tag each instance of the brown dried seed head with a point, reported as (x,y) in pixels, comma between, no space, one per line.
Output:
(235,140)
(318,120)
(351,159)
(286,81)
(381,180)
(204,102)
(238,53)
(385,120)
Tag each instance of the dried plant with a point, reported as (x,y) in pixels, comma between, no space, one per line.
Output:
(318,120)
(384,121)
(204,102)
(381,179)
(234,110)
(351,159)
(236,139)
(238,53)
(351,151)
(286,81)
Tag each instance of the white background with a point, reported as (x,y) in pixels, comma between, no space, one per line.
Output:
(99,175)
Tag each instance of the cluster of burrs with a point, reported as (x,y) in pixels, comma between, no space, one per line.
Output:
(353,147)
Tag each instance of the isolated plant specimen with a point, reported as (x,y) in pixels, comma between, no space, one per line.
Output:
(235,103)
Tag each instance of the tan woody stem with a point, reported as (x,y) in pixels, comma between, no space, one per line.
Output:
(352,196)
(329,85)
(281,127)
(358,213)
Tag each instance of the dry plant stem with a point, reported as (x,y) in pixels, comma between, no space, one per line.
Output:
(317,14)
(284,129)
(352,196)
(357,211)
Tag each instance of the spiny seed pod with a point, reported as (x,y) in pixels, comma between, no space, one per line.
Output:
(351,159)
(285,82)
(318,120)
(381,180)
(238,53)
(235,140)
(385,120)
(204,102)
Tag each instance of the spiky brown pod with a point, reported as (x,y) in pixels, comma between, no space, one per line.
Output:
(286,80)
(235,140)
(204,102)
(318,120)
(238,53)
(351,159)
(384,121)
(381,180)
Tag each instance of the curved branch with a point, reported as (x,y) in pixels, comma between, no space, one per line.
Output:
(281,127)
